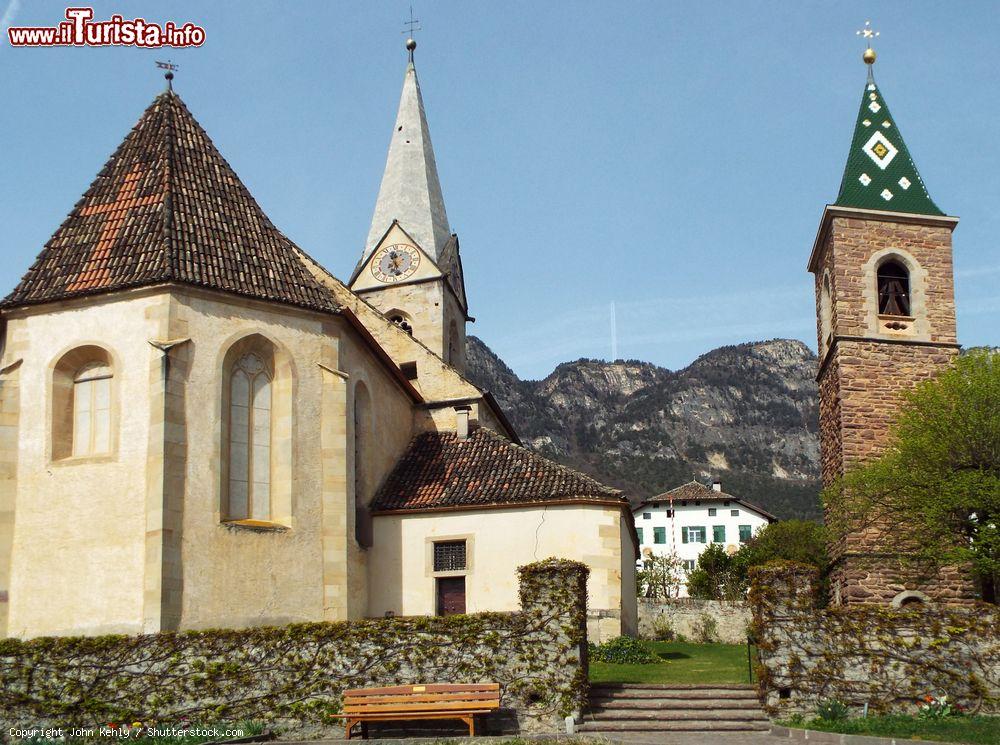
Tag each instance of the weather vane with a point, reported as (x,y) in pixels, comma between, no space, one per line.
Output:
(868,34)
(411,43)
(169,75)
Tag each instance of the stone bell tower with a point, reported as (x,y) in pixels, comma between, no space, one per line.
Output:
(410,268)
(885,305)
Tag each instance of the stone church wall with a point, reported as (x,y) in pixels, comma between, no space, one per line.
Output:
(862,654)
(687,616)
(292,677)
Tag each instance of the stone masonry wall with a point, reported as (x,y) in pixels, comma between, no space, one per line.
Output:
(887,658)
(292,677)
(686,616)
(867,368)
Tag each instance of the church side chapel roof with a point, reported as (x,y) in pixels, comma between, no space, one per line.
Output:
(439,471)
(696,491)
(167,207)
(880,174)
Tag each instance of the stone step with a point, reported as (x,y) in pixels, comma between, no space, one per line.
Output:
(673,686)
(672,704)
(681,725)
(676,715)
(688,694)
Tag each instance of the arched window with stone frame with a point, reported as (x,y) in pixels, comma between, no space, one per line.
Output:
(84,412)
(256,448)
(893,280)
(362,454)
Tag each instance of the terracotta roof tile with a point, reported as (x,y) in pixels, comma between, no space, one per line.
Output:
(694,491)
(438,470)
(167,207)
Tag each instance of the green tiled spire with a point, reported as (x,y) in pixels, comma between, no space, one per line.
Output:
(880,173)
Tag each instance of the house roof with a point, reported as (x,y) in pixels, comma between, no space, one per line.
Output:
(880,174)
(440,471)
(167,207)
(696,491)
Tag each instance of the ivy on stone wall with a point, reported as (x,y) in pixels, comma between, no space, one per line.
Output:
(294,675)
(884,657)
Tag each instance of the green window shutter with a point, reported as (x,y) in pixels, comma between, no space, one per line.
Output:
(659,535)
(718,533)
(684,535)
(702,535)
(745,533)
(639,531)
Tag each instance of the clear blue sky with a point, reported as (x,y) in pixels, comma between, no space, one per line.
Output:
(671,158)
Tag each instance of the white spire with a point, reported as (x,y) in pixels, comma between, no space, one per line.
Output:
(410,190)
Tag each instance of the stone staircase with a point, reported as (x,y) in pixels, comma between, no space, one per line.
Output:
(635,707)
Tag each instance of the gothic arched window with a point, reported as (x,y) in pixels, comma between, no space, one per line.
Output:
(893,289)
(83,411)
(249,440)
(92,409)
(362,446)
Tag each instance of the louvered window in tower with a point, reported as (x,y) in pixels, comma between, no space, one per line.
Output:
(893,289)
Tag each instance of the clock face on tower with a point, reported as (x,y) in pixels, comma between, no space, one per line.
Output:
(395,263)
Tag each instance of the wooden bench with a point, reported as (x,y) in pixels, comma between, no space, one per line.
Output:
(430,701)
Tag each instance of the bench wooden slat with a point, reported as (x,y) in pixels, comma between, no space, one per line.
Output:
(422,701)
(419,697)
(426,706)
(424,688)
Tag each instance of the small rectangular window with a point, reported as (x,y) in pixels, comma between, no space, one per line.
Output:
(718,534)
(745,533)
(449,556)
(659,535)
(712,511)
(693,534)
(639,533)
(689,565)
(670,513)
(647,515)
(734,513)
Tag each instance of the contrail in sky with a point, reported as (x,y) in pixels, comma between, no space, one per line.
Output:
(8,15)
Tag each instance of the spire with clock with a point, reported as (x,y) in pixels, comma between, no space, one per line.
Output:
(410,268)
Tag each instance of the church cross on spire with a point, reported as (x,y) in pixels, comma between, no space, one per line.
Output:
(411,43)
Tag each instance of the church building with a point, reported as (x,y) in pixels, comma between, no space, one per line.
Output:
(200,426)
(885,307)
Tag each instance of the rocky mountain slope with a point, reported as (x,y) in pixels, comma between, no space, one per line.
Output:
(746,415)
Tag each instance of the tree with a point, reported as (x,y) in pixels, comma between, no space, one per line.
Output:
(660,577)
(939,478)
(720,576)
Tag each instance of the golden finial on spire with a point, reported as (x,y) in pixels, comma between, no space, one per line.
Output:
(868,34)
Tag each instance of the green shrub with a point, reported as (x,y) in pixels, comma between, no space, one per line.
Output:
(663,630)
(623,650)
(831,710)
(706,629)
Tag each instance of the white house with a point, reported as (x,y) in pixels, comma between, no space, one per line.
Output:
(685,520)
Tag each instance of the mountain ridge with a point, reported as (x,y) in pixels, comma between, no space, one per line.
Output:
(746,414)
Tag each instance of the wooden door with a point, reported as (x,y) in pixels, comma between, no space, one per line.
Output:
(450,595)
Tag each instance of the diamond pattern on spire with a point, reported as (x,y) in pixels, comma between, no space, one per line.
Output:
(866,187)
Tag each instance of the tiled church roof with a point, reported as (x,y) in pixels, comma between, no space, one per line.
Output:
(167,207)
(880,174)
(438,470)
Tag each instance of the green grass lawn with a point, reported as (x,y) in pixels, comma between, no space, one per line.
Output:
(976,730)
(682,662)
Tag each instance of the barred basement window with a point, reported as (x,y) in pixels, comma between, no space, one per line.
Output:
(449,556)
